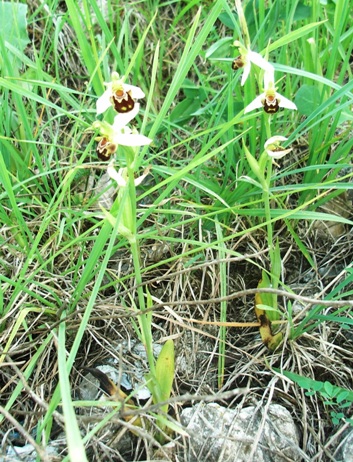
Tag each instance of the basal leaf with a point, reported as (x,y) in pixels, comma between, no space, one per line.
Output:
(307,99)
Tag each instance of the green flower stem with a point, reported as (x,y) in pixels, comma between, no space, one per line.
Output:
(144,321)
(243,23)
(267,172)
(266,200)
(265,164)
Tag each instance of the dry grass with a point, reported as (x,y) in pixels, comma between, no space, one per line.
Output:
(325,354)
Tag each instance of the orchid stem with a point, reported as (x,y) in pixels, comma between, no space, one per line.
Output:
(266,193)
(136,258)
(266,196)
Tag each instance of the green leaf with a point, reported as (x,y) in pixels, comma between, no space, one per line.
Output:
(310,384)
(192,48)
(185,110)
(74,441)
(13,26)
(190,105)
(219,49)
(254,165)
(176,428)
(295,35)
(307,99)
(328,388)
(227,20)
(267,298)
(302,12)
(342,396)
(165,371)
(193,91)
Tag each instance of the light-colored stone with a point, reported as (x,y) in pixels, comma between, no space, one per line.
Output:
(345,451)
(245,435)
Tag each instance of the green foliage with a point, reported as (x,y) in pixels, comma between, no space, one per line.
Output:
(307,99)
(160,384)
(333,397)
(14,35)
(188,107)
(13,40)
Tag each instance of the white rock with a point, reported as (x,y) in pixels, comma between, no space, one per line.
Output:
(231,435)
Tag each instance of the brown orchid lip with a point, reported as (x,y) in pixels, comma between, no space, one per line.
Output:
(123,101)
(238,63)
(105,149)
(271,105)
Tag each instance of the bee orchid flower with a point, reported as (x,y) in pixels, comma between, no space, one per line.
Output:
(248,57)
(270,100)
(113,135)
(122,96)
(274,149)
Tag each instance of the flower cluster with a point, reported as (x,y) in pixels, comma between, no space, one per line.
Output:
(269,100)
(124,100)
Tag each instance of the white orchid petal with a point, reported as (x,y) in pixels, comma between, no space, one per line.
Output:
(246,72)
(117,176)
(278,154)
(140,179)
(132,139)
(122,119)
(274,140)
(261,62)
(136,92)
(103,102)
(285,102)
(257,103)
(119,126)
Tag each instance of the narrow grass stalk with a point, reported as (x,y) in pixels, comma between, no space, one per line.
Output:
(223,293)
(76,448)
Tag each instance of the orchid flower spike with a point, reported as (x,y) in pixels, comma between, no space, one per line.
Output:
(270,100)
(248,57)
(274,149)
(121,96)
(113,135)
